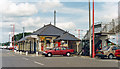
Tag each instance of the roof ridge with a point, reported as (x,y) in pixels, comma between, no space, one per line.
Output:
(58,28)
(45,27)
(70,34)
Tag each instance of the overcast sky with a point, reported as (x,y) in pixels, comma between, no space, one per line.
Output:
(34,14)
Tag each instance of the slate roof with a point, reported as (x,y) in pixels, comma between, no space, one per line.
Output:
(49,30)
(67,36)
(22,39)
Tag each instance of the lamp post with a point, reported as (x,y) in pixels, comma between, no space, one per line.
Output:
(90,29)
(13,34)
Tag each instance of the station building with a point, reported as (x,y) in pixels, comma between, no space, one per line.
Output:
(47,37)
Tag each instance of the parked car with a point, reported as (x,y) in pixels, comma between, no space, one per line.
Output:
(117,54)
(11,48)
(3,47)
(107,51)
(59,51)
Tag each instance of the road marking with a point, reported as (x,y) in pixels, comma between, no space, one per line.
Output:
(47,58)
(109,60)
(38,63)
(64,57)
(25,58)
(75,56)
(32,56)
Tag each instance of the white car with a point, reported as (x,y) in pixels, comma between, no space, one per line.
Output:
(4,47)
(0,47)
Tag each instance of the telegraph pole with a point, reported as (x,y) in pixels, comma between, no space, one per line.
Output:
(23,32)
(79,33)
(13,35)
(9,39)
(93,47)
(90,28)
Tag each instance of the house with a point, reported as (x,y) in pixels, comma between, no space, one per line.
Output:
(49,36)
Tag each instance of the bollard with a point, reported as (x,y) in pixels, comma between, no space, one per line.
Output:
(15,51)
(20,52)
(36,53)
(26,53)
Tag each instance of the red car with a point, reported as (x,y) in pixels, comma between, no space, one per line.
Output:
(11,48)
(117,53)
(59,51)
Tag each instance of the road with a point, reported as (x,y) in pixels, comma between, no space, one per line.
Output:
(10,59)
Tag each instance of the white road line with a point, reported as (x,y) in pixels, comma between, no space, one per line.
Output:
(25,58)
(47,58)
(109,60)
(75,56)
(38,63)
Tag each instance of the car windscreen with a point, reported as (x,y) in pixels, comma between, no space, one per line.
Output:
(105,48)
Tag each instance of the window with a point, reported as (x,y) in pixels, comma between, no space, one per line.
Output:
(57,49)
(106,47)
(63,48)
(114,48)
(67,48)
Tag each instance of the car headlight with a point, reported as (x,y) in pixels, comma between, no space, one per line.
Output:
(44,52)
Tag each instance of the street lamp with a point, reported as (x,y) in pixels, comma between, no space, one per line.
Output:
(13,34)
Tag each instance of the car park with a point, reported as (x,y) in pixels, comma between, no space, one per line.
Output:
(107,51)
(59,51)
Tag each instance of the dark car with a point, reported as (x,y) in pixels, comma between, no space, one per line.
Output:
(59,51)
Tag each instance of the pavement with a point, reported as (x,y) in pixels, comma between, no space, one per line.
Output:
(11,59)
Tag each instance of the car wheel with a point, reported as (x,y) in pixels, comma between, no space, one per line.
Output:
(49,54)
(110,56)
(68,54)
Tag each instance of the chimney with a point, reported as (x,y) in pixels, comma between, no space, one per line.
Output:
(54,17)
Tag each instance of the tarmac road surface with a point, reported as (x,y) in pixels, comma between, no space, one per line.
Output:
(10,59)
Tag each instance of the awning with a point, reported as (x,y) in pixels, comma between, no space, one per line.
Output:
(31,37)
